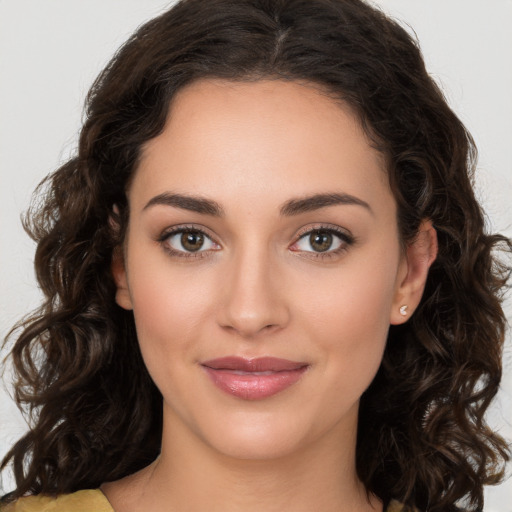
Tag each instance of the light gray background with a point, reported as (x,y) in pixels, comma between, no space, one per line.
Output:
(51,50)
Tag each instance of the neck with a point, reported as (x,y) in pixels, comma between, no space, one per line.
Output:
(190,475)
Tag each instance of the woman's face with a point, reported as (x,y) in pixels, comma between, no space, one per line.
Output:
(262,225)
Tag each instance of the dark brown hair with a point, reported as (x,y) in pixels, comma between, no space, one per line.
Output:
(422,436)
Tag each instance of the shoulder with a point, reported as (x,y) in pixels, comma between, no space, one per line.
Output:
(396,506)
(90,500)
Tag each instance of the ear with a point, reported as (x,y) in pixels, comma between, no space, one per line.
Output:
(117,265)
(413,272)
(118,269)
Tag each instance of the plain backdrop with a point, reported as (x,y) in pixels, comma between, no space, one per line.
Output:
(51,50)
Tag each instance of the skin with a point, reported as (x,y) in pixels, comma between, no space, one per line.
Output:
(258,289)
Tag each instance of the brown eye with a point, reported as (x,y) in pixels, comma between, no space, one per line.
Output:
(329,241)
(320,241)
(192,240)
(187,241)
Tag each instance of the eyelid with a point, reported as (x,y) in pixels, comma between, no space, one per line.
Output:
(167,233)
(323,227)
(333,228)
(343,234)
(346,237)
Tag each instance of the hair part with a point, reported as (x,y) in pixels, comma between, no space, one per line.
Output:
(422,435)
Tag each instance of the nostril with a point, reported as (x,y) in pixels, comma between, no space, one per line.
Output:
(251,303)
(250,330)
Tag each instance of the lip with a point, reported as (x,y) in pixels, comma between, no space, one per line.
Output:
(253,379)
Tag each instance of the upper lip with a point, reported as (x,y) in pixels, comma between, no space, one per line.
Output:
(260,364)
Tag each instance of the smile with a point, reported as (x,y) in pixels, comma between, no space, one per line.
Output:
(253,379)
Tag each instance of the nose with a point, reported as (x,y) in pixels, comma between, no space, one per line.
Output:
(254,299)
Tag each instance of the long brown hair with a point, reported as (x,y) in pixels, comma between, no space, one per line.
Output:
(422,436)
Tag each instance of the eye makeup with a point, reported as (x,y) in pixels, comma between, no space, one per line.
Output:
(325,241)
(187,241)
(319,242)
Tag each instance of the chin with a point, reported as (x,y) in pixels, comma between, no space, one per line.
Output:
(257,445)
(267,436)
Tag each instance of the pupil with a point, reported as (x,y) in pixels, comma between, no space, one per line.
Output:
(192,240)
(320,241)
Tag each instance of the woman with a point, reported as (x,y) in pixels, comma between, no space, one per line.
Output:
(268,285)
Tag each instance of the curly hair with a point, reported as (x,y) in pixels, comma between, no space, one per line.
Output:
(422,437)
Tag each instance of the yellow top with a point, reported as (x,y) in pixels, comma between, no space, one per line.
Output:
(91,500)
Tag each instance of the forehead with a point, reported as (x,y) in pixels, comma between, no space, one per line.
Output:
(269,138)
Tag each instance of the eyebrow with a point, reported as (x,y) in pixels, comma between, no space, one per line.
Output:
(187,202)
(290,208)
(317,201)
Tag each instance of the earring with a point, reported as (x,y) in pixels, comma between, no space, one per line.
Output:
(403,310)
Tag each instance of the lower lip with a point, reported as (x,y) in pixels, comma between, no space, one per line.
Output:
(252,386)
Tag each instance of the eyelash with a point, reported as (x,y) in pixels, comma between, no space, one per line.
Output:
(167,234)
(345,238)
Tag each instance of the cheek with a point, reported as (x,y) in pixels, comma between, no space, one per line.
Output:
(348,314)
(358,294)
(170,304)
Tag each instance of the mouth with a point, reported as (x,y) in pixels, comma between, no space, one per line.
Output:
(253,379)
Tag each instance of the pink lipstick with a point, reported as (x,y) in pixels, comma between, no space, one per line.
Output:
(253,379)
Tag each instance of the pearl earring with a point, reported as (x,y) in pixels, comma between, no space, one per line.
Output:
(403,310)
